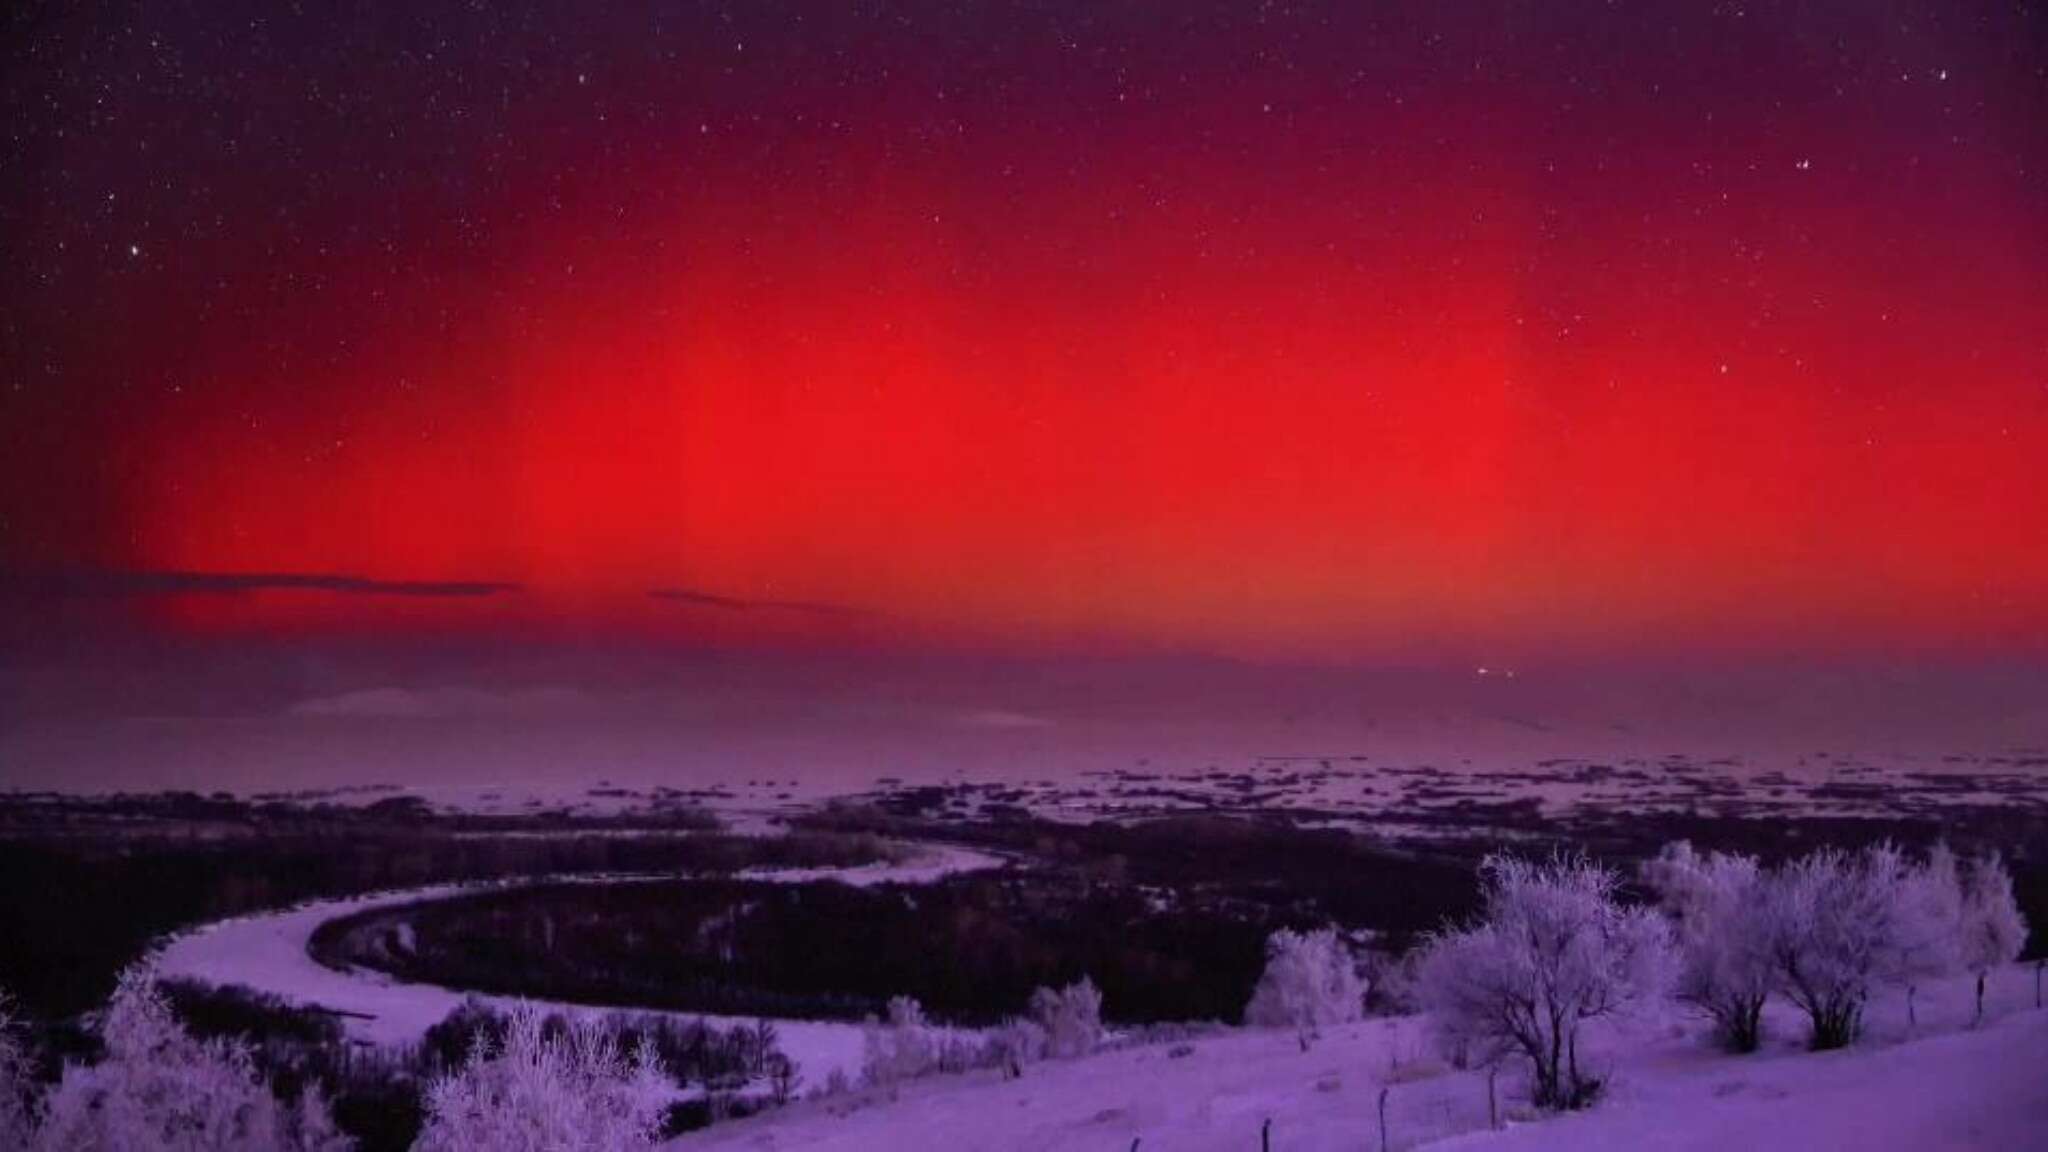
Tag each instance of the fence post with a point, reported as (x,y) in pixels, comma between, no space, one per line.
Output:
(1492,1100)
(1383,1120)
(1266,1135)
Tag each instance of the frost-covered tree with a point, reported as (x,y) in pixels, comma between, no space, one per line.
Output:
(1929,910)
(549,1087)
(158,1088)
(899,1047)
(1837,927)
(1310,981)
(1993,930)
(1725,961)
(1071,1017)
(1551,949)
(17,1081)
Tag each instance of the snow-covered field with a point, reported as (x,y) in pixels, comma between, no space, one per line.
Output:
(268,953)
(1985,1089)
(1941,1086)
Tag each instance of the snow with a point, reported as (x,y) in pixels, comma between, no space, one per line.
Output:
(267,952)
(1965,1090)
(1945,1088)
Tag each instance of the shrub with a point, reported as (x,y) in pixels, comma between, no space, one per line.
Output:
(1018,1042)
(1310,981)
(899,1048)
(1071,1017)
(158,1087)
(563,1090)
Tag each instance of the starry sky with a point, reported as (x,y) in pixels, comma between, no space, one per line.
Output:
(1325,332)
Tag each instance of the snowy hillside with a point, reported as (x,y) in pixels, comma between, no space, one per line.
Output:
(1943,1086)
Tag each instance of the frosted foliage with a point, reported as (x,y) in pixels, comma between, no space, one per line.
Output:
(160,1089)
(1839,922)
(1071,1017)
(1993,930)
(1551,949)
(1310,981)
(1017,1043)
(898,1048)
(549,1088)
(1930,915)
(1726,966)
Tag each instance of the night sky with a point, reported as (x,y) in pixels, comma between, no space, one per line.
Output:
(1325,332)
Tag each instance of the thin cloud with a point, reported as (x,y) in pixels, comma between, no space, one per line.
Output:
(741,604)
(115,584)
(1000,718)
(440,703)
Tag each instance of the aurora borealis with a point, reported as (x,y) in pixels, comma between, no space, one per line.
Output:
(1317,331)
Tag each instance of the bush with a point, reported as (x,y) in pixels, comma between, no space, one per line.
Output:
(159,1087)
(1071,1018)
(1017,1043)
(899,1048)
(1310,981)
(568,1090)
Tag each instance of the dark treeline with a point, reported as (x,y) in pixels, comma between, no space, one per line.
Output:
(1401,888)
(85,894)
(971,948)
(1288,872)
(1168,917)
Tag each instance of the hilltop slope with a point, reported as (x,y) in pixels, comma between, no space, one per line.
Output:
(1941,1086)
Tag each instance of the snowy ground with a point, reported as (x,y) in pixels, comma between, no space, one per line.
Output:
(1941,1086)
(267,952)
(1984,1089)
